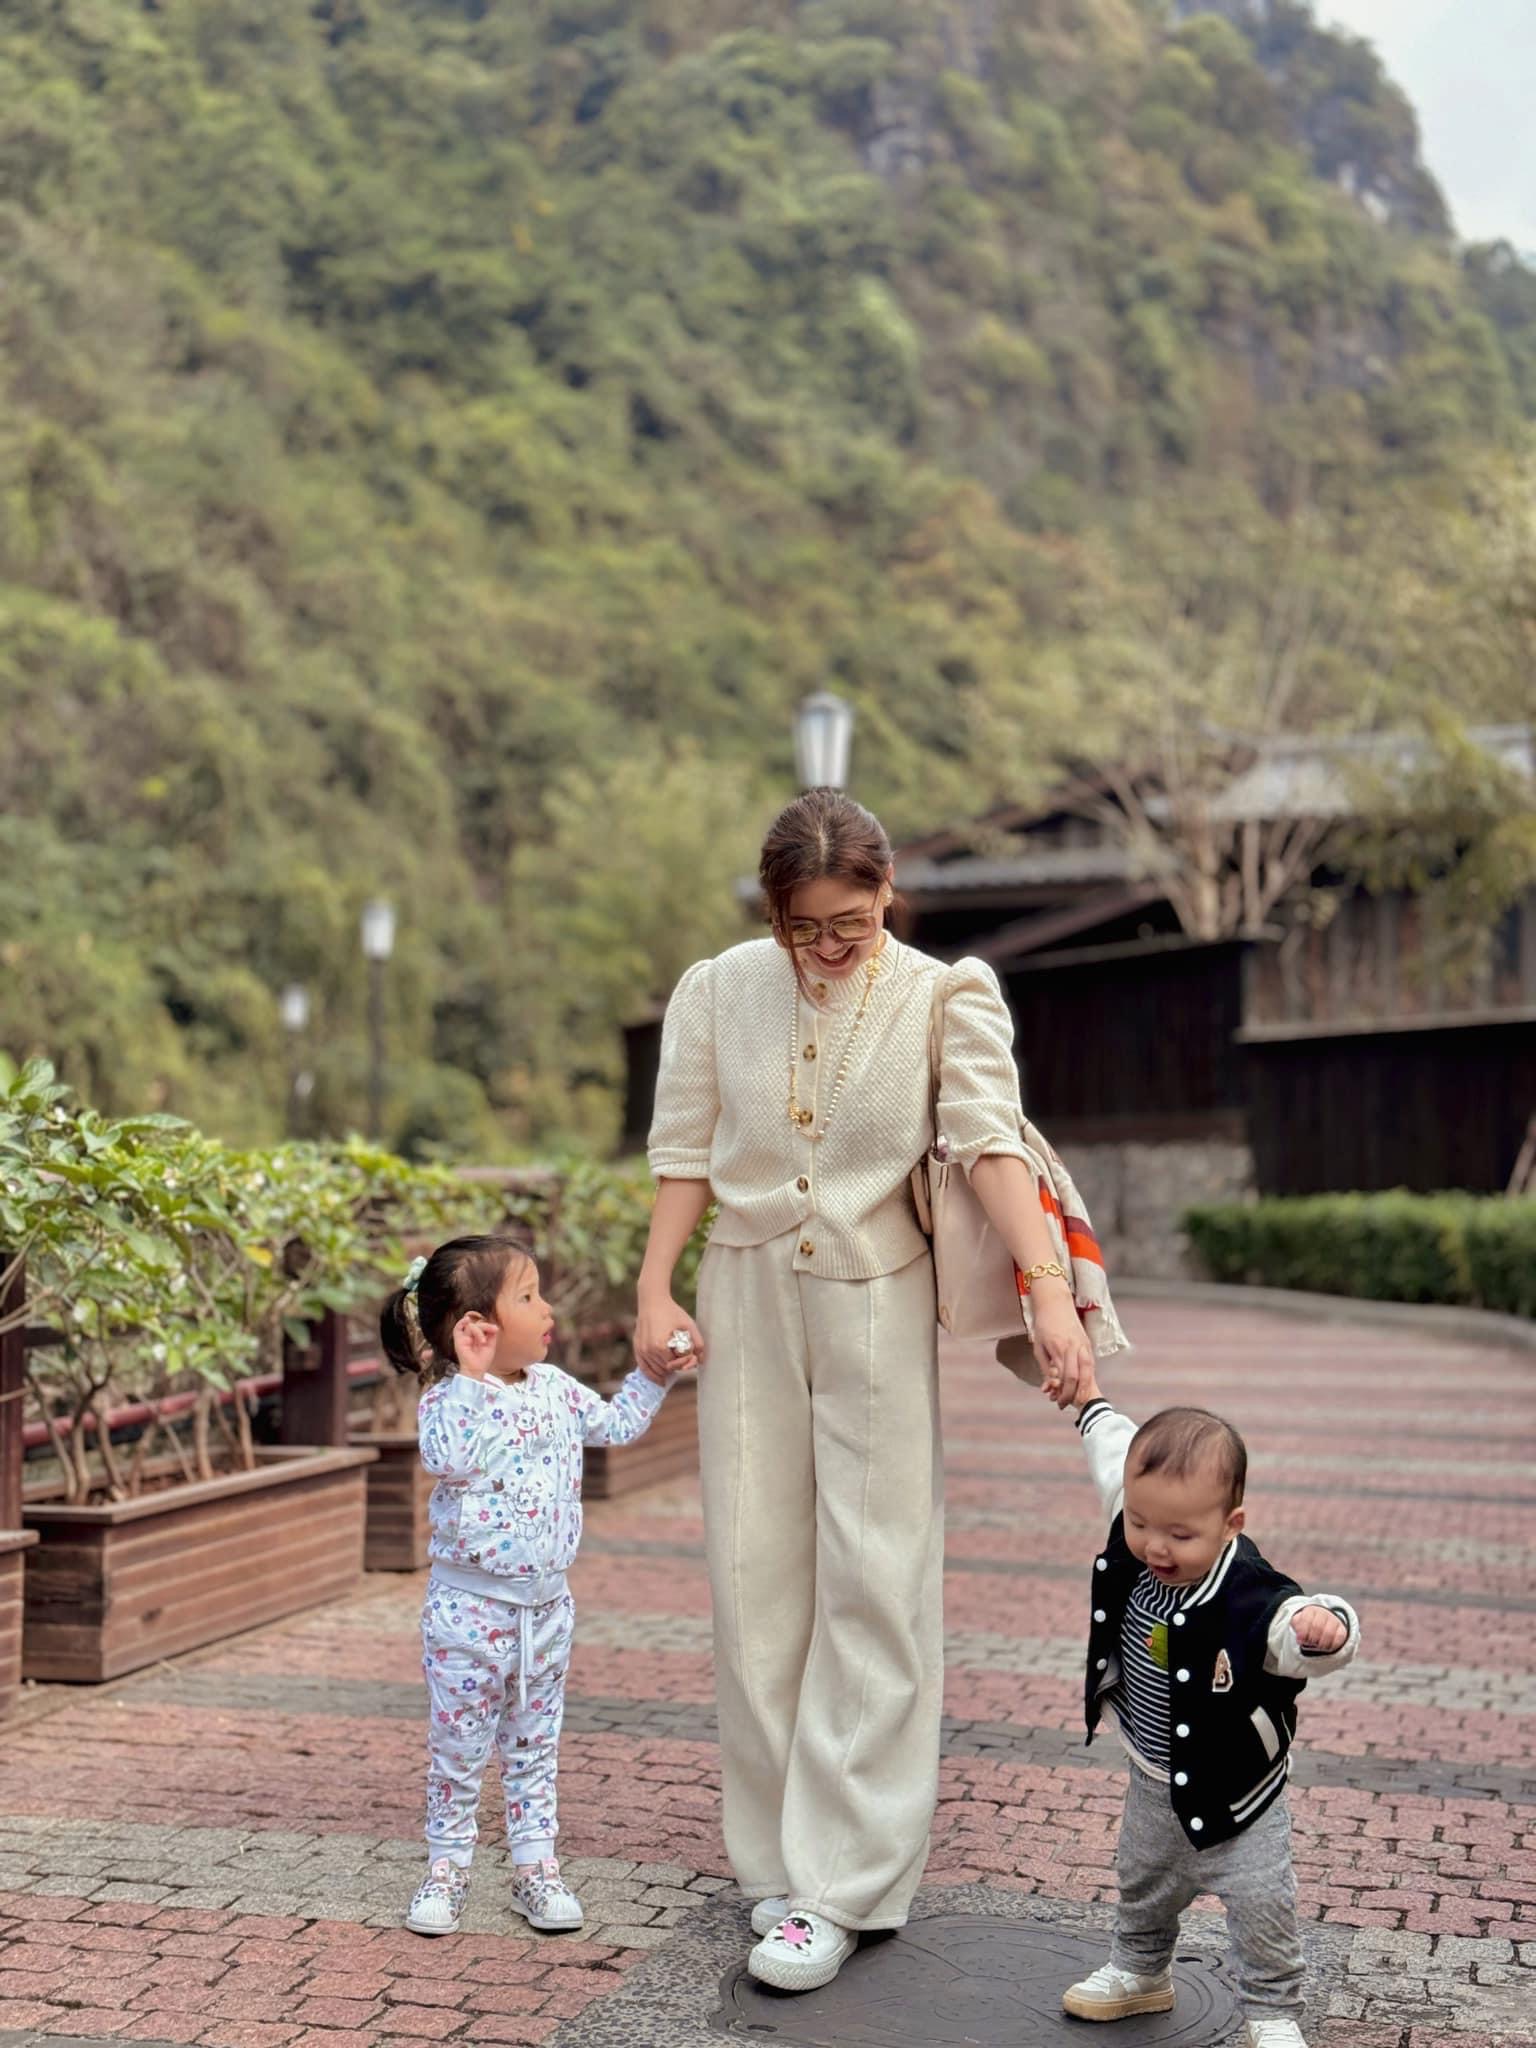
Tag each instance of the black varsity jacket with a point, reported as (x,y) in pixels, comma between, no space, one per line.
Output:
(1235,1667)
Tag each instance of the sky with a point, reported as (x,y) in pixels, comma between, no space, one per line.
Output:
(1469,67)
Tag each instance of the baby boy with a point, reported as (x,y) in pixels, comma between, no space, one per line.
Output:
(1200,1648)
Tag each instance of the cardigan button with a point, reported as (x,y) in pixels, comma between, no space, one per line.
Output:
(819,991)
(1099,1614)
(806,1248)
(1182,1730)
(803,1185)
(1181,1777)
(810,1052)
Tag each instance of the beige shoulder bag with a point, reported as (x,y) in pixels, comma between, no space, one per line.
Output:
(977,1281)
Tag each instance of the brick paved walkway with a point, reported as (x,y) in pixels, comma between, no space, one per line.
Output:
(219,1850)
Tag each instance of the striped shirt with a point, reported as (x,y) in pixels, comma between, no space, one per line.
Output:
(1140,1696)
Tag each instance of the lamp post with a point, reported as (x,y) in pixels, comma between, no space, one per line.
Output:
(823,738)
(378,933)
(293,1008)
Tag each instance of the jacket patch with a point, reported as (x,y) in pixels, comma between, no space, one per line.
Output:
(1222,1682)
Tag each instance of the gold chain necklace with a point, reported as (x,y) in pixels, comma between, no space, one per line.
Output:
(803,1119)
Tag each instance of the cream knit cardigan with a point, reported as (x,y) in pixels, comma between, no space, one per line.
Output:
(722,1099)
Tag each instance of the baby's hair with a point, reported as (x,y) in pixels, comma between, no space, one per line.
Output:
(1180,1441)
(462,1277)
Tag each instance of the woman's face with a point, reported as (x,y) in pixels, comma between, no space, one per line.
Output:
(849,921)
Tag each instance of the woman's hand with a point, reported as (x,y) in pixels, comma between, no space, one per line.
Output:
(1061,1342)
(658,1317)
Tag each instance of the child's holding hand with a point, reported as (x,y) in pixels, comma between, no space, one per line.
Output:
(504,1431)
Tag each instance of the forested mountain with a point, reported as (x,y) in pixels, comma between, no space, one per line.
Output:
(442,439)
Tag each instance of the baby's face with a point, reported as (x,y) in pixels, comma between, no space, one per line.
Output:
(1178,1527)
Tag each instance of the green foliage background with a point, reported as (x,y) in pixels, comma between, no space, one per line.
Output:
(442,439)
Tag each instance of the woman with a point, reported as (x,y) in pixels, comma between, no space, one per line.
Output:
(794,1090)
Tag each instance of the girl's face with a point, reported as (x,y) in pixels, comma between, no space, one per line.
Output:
(834,926)
(523,1319)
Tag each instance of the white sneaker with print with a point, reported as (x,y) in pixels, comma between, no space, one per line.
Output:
(544,1898)
(439,1899)
(805,1951)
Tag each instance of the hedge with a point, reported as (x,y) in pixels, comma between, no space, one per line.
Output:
(1461,1250)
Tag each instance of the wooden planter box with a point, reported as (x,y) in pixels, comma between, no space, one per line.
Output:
(112,1588)
(668,1450)
(399,1488)
(14,1544)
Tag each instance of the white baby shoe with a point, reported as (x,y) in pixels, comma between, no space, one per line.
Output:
(439,1899)
(1111,1993)
(1275,2033)
(544,1898)
(805,1951)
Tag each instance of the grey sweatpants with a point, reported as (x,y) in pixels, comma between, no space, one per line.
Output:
(1160,1873)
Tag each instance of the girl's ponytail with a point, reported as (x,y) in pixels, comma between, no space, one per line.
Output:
(400,1333)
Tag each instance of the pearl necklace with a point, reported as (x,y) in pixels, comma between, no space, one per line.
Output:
(804,1119)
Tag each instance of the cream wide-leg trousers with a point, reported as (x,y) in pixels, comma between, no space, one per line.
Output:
(824,1528)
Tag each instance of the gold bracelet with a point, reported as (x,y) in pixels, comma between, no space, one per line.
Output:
(1028,1275)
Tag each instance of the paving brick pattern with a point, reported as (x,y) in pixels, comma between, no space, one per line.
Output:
(240,1830)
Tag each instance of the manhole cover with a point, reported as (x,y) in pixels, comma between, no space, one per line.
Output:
(968,1982)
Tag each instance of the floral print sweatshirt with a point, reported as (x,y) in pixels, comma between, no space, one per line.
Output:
(506,1511)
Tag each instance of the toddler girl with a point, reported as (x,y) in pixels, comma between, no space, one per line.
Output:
(504,1432)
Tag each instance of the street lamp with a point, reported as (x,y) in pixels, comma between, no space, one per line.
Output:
(378,933)
(823,737)
(293,1008)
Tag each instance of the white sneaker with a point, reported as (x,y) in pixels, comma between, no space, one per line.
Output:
(767,1914)
(544,1898)
(439,1899)
(804,1951)
(1275,2033)
(1111,1993)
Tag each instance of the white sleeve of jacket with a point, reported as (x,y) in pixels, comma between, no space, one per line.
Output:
(454,1426)
(1106,1435)
(687,1106)
(1284,1656)
(627,1416)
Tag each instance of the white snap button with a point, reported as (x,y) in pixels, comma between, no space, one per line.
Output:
(1098,1614)
(1103,1663)
(1182,1730)
(1183,1678)
(1178,1621)
(1101,1564)
(1197,1823)
(1181,1777)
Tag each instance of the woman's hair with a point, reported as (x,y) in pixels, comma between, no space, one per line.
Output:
(462,1277)
(820,836)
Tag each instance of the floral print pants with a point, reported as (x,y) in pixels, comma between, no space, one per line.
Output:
(495,1676)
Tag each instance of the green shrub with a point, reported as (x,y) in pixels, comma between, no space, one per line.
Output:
(1454,1249)
(167,1265)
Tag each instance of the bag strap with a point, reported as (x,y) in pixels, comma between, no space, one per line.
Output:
(936,1045)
